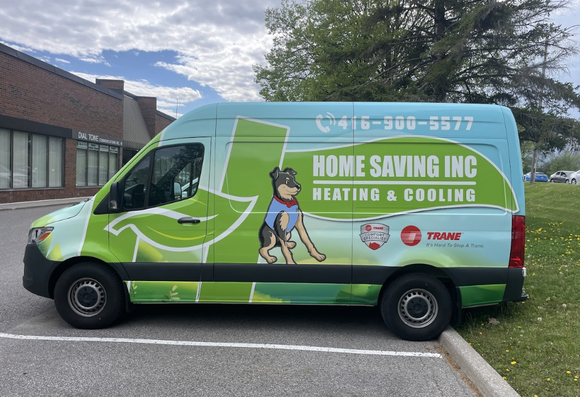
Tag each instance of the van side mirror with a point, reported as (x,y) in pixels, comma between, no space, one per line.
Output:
(115,198)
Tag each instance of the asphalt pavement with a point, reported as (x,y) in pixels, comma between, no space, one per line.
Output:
(488,382)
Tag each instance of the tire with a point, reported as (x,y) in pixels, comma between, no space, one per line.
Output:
(573,181)
(89,295)
(416,307)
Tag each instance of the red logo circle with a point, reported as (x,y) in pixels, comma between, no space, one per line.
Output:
(368,228)
(411,235)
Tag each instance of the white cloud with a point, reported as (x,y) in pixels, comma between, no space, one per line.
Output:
(230,65)
(94,59)
(168,98)
(17,47)
(217,41)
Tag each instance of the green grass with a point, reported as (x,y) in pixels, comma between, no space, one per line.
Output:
(536,345)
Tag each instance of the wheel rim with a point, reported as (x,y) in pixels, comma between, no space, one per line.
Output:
(87,297)
(418,308)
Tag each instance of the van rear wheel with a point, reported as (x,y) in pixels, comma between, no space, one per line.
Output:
(89,295)
(416,307)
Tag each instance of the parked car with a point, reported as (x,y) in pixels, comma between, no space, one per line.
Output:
(575,177)
(561,176)
(540,177)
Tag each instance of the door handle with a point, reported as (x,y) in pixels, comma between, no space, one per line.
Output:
(188,219)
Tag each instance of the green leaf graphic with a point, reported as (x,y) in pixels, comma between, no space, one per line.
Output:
(398,175)
(155,225)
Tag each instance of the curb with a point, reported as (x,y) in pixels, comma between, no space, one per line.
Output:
(41,203)
(480,373)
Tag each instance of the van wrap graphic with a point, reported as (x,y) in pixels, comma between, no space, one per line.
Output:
(65,242)
(389,181)
(400,175)
(283,216)
(141,229)
(374,235)
(361,294)
(189,292)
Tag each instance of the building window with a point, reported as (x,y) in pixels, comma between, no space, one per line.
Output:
(39,161)
(5,169)
(82,163)
(30,160)
(113,161)
(20,168)
(55,155)
(96,164)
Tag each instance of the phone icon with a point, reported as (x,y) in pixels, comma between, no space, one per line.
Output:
(319,124)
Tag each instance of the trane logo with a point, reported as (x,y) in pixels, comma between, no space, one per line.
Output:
(443,236)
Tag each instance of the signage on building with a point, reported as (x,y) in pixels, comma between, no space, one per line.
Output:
(96,138)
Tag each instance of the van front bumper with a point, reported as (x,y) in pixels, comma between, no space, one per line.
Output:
(37,271)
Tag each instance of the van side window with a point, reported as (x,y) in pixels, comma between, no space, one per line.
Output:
(175,174)
(135,183)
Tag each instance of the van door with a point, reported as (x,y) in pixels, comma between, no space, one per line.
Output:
(270,179)
(159,237)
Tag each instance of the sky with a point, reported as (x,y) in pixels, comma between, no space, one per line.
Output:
(187,53)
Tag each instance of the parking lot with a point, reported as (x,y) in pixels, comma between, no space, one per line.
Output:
(206,350)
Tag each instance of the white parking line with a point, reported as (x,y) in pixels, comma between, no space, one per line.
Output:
(220,344)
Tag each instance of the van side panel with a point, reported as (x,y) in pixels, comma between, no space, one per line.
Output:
(325,203)
(255,156)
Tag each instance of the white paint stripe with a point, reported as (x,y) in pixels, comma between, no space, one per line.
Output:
(420,183)
(90,204)
(198,293)
(136,250)
(252,292)
(220,344)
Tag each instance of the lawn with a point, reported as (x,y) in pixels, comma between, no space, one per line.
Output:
(535,345)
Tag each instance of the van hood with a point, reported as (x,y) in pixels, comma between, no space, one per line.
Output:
(62,214)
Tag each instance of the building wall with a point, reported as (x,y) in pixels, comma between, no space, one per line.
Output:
(41,98)
(161,122)
(30,92)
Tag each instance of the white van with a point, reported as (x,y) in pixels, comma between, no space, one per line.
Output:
(417,208)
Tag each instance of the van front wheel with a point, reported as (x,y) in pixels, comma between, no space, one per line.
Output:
(89,295)
(416,307)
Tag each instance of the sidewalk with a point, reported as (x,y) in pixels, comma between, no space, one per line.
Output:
(474,367)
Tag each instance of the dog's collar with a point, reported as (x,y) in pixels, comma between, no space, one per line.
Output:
(287,203)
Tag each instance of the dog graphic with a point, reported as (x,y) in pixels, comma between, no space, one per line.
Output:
(284,215)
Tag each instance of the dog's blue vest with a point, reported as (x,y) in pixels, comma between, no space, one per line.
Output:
(277,206)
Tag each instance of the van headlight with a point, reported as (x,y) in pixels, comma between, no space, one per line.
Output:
(38,234)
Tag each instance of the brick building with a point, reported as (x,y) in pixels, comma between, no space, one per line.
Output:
(62,136)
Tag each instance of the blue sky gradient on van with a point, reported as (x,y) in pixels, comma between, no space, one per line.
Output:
(187,53)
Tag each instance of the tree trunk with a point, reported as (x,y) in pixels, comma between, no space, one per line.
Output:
(439,85)
(534,160)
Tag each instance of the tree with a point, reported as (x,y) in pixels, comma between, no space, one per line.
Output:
(564,161)
(545,132)
(476,51)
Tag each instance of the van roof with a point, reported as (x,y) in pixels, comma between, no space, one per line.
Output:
(336,112)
